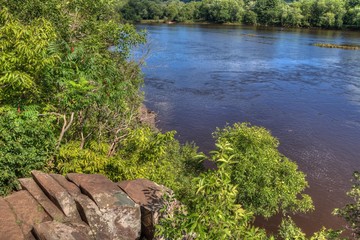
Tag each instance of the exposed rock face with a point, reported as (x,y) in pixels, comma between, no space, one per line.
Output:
(9,228)
(116,214)
(80,207)
(149,196)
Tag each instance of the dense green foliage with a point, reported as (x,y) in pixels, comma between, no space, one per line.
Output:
(27,142)
(268,182)
(211,210)
(299,13)
(56,57)
(143,154)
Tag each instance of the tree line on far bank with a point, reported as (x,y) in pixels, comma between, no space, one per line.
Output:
(299,13)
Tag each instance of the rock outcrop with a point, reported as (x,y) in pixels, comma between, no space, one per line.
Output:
(80,207)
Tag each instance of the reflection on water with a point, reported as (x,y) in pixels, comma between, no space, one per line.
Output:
(202,77)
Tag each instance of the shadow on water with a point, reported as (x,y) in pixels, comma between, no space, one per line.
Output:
(200,77)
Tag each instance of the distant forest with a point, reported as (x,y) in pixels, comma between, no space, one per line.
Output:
(300,13)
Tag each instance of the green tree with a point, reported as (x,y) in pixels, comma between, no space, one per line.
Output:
(352,17)
(79,74)
(25,60)
(211,211)
(222,11)
(328,13)
(267,181)
(268,11)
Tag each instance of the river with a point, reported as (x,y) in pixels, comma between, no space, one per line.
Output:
(199,77)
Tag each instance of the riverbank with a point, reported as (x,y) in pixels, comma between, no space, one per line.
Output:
(147,117)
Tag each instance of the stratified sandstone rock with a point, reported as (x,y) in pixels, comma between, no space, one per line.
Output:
(70,187)
(57,194)
(149,196)
(9,227)
(80,207)
(120,217)
(59,231)
(30,185)
(27,210)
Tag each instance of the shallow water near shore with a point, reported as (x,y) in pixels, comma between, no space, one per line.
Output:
(199,77)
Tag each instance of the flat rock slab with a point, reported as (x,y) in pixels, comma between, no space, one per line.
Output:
(30,185)
(27,210)
(68,186)
(120,216)
(102,190)
(59,231)
(149,196)
(145,192)
(57,194)
(9,228)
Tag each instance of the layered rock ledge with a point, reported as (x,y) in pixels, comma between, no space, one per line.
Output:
(80,207)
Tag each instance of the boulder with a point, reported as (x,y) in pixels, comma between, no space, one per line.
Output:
(115,214)
(57,194)
(30,185)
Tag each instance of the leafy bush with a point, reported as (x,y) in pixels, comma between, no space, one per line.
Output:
(27,142)
(142,154)
(211,211)
(267,181)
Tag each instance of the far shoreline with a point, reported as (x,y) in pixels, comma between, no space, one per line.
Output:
(166,22)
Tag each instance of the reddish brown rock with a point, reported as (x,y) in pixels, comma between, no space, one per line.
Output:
(100,189)
(27,210)
(57,194)
(69,186)
(91,214)
(120,216)
(30,185)
(149,196)
(9,227)
(59,231)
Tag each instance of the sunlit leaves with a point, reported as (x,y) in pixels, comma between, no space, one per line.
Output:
(212,211)
(268,182)
(24,59)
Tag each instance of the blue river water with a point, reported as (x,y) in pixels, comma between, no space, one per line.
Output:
(199,77)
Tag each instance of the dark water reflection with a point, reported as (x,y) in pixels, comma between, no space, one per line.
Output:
(202,77)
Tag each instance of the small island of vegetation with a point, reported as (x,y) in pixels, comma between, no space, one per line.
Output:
(342,46)
(70,99)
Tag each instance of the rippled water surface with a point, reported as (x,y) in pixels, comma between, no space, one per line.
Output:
(200,77)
